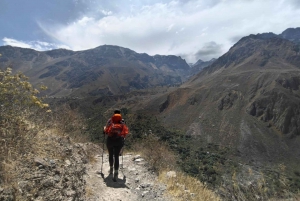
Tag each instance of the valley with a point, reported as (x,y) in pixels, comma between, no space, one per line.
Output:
(233,122)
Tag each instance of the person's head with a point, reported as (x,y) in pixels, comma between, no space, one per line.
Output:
(117,111)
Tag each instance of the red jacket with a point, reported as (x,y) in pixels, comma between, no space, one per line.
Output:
(116,119)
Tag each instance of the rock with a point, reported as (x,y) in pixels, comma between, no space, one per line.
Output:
(40,162)
(171,174)
(67,162)
(145,185)
(70,193)
(52,163)
(136,157)
(49,182)
(56,178)
(144,193)
(139,160)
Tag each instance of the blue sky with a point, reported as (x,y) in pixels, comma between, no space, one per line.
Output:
(192,29)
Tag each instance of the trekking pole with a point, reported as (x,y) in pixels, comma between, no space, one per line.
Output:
(122,169)
(122,161)
(123,153)
(102,155)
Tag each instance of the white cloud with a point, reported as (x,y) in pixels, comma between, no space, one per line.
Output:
(36,45)
(182,27)
(106,12)
(13,42)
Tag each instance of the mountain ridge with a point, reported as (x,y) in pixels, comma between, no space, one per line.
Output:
(248,100)
(104,70)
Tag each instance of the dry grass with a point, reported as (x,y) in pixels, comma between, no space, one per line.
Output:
(70,122)
(156,153)
(9,167)
(40,134)
(92,150)
(184,187)
(161,158)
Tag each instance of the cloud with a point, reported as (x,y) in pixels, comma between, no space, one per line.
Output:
(12,42)
(209,50)
(36,45)
(166,27)
(295,3)
(175,27)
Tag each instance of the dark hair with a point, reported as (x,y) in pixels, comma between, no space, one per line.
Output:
(117,112)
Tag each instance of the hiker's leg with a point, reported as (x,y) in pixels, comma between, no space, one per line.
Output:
(110,155)
(117,150)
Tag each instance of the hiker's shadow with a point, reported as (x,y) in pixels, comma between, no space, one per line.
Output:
(120,183)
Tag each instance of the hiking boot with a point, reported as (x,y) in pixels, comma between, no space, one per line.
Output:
(111,169)
(116,175)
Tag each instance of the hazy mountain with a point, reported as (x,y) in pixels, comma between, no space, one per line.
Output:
(248,99)
(199,65)
(99,71)
(292,34)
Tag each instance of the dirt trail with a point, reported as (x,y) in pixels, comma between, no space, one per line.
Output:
(136,182)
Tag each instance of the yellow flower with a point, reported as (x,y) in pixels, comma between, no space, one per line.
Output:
(34,98)
(36,91)
(45,105)
(43,87)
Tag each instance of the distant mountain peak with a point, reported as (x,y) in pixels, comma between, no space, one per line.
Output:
(292,34)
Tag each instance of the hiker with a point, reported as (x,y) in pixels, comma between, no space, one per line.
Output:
(116,130)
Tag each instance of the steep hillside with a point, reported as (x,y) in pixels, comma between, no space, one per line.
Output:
(248,100)
(105,70)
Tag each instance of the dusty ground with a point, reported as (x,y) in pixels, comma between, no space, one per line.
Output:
(136,181)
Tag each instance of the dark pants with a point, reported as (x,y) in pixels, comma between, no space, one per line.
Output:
(114,147)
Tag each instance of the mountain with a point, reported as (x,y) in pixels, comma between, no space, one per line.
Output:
(199,65)
(105,70)
(248,100)
(292,34)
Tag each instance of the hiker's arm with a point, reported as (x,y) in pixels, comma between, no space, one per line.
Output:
(125,131)
(106,126)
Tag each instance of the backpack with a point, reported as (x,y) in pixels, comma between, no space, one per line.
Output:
(115,130)
(116,126)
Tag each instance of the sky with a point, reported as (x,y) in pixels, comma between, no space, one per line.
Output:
(192,29)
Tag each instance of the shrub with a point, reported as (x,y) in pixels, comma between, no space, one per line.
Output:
(156,152)
(18,103)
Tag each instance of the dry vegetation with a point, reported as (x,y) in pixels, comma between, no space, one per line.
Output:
(247,184)
(18,105)
(156,153)
(29,130)
(179,185)
(184,187)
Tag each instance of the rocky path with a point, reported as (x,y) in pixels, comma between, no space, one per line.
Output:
(136,181)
